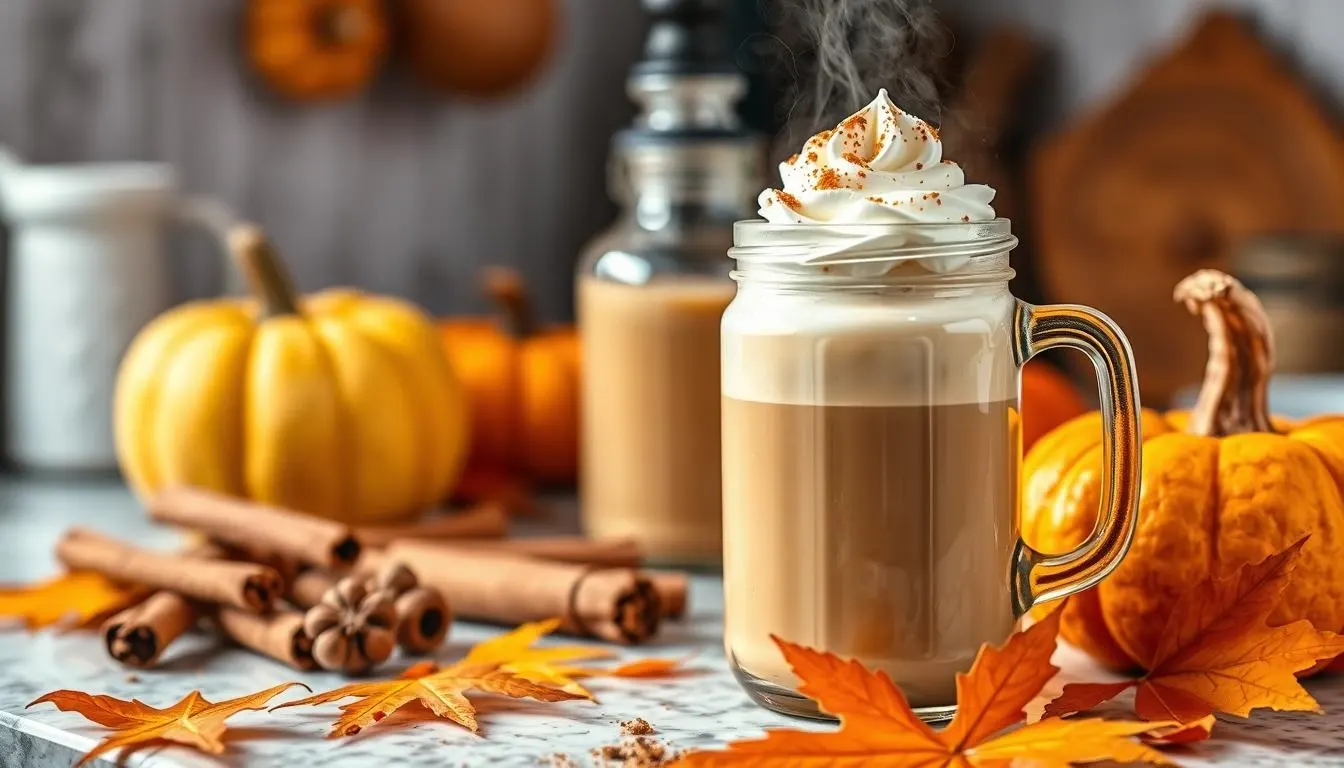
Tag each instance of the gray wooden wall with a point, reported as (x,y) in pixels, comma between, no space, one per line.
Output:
(399,190)
(1096,44)
(408,193)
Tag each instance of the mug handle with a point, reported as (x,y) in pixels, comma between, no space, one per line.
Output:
(215,218)
(1038,577)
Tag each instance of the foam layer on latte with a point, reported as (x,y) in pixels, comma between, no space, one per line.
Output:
(868,349)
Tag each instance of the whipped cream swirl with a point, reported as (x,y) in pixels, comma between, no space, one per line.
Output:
(880,165)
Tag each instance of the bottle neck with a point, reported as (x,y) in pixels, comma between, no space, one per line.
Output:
(670,186)
(687,102)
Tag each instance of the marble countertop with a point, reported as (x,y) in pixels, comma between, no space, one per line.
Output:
(701,709)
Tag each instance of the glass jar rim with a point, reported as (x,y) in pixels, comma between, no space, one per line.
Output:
(758,241)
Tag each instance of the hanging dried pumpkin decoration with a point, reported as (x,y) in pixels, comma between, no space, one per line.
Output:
(314,50)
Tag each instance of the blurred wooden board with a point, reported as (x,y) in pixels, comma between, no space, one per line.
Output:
(1215,141)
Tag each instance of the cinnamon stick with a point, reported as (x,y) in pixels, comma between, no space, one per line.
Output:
(580,550)
(672,588)
(484,521)
(371,560)
(423,618)
(138,635)
(286,567)
(613,553)
(307,588)
(278,635)
(248,586)
(619,604)
(258,527)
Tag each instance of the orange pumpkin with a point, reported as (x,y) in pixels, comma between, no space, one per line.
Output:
(316,49)
(1048,400)
(477,47)
(1221,486)
(523,386)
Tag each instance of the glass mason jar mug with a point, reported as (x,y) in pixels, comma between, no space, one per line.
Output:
(872,446)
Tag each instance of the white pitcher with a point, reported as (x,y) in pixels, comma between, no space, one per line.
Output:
(87,271)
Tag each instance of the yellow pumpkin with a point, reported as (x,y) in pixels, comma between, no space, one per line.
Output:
(341,404)
(1221,486)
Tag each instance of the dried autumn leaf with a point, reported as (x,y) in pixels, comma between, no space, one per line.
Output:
(513,651)
(1217,653)
(878,727)
(193,721)
(1056,743)
(441,691)
(640,668)
(78,598)
(1185,733)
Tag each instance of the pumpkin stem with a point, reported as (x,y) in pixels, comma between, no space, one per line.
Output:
(505,288)
(265,274)
(1234,398)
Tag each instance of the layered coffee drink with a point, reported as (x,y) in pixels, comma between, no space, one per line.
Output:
(871,437)
(870,433)
(651,407)
(870,483)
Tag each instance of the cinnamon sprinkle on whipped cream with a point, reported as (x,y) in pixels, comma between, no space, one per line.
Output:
(866,167)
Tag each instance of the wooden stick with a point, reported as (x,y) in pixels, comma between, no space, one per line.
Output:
(248,586)
(278,635)
(619,605)
(138,635)
(484,521)
(672,588)
(257,527)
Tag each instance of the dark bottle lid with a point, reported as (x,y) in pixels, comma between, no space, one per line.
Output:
(686,37)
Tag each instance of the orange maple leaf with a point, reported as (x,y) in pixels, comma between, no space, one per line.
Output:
(193,721)
(77,599)
(1217,653)
(442,689)
(878,727)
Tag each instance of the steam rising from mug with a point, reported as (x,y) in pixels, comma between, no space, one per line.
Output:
(840,52)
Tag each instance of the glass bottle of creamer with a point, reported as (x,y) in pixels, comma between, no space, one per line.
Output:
(651,291)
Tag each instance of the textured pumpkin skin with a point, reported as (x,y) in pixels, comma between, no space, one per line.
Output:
(1048,400)
(1206,505)
(349,411)
(525,401)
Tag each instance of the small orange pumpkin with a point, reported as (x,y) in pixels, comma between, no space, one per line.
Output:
(316,49)
(479,48)
(1222,485)
(523,385)
(1048,400)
